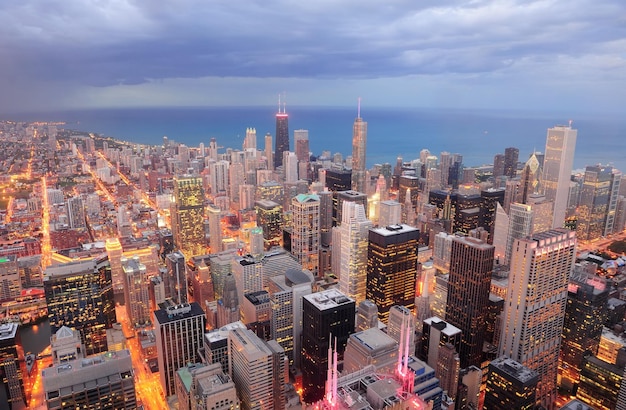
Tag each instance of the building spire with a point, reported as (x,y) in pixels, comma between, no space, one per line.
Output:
(358,111)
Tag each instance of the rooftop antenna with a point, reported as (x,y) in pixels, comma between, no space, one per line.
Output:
(358,111)
(279,103)
(570,123)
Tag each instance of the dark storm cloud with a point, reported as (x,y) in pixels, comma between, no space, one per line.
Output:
(105,43)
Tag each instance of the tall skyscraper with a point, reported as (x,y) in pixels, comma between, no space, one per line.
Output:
(269,155)
(282,135)
(326,314)
(188,215)
(86,284)
(179,332)
(359,143)
(10,284)
(250,141)
(352,250)
(269,216)
(136,295)
(215,228)
(392,268)
(511,156)
(175,278)
(597,198)
(471,265)
(286,320)
(585,315)
(301,141)
(257,368)
(536,298)
(557,169)
(520,225)
(305,236)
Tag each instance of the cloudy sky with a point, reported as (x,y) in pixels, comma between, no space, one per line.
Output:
(546,54)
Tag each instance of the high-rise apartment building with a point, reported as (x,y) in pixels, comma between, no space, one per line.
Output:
(188,215)
(535,307)
(326,314)
(392,268)
(257,368)
(136,291)
(282,135)
(359,143)
(250,141)
(471,265)
(305,235)
(179,333)
(215,228)
(86,284)
(351,250)
(557,169)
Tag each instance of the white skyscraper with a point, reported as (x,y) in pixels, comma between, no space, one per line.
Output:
(257,369)
(359,143)
(305,237)
(353,230)
(290,164)
(557,169)
(535,309)
(520,225)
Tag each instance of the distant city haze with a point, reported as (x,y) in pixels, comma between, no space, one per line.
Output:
(476,134)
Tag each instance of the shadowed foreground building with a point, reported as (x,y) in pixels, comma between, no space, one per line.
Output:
(510,386)
(323,313)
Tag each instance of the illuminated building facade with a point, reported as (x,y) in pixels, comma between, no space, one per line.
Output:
(540,269)
(305,236)
(359,143)
(269,217)
(585,315)
(325,313)
(557,169)
(471,265)
(12,367)
(510,385)
(392,268)
(86,284)
(179,333)
(597,198)
(600,384)
(188,215)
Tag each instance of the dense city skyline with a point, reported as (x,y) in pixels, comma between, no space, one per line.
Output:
(558,55)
